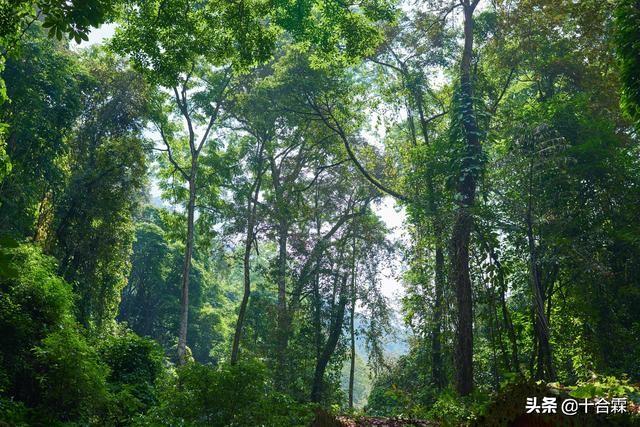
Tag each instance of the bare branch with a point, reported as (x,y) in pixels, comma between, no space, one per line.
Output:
(507,83)
(386,64)
(170,153)
(340,132)
(214,115)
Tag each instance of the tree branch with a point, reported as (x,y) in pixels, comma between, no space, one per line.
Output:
(340,132)
(507,83)
(214,115)
(170,153)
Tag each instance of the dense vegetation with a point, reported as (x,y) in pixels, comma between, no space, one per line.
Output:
(190,228)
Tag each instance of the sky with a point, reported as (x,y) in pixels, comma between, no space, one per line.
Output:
(98,35)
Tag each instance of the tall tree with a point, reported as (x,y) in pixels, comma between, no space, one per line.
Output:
(627,24)
(92,226)
(466,183)
(186,47)
(177,43)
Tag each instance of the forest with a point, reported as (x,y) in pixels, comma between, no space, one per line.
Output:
(332,213)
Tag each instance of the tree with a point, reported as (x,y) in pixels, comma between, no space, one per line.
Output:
(43,84)
(103,191)
(466,182)
(251,213)
(187,48)
(151,298)
(198,36)
(627,21)
(251,110)
(418,45)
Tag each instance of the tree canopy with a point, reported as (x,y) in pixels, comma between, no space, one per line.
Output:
(199,216)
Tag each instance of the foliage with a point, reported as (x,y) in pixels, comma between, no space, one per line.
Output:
(74,19)
(48,364)
(108,154)
(151,298)
(44,90)
(627,16)
(71,377)
(607,387)
(137,366)
(270,131)
(35,302)
(225,396)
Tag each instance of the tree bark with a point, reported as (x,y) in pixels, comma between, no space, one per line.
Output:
(352,367)
(463,222)
(463,355)
(330,345)
(186,269)
(252,205)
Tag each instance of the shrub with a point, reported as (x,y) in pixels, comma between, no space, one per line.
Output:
(136,364)
(237,395)
(33,302)
(13,413)
(72,379)
(48,370)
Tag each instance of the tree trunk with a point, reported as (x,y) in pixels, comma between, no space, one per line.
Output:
(463,222)
(463,354)
(282,334)
(247,289)
(186,269)
(437,369)
(506,318)
(252,204)
(541,325)
(511,333)
(317,302)
(282,325)
(317,313)
(545,358)
(495,339)
(330,345)
(352,368)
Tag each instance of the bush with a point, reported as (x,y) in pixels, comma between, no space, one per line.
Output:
(72,378)
(226,396)
(387,400)
(605,386)
(136,364)
(452,410)
(13,413)
(48,371)
(34,301)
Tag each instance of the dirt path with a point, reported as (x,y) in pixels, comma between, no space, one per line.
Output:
(383,422)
